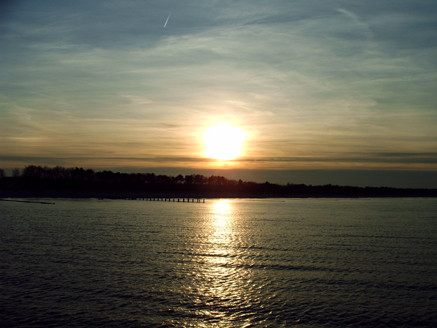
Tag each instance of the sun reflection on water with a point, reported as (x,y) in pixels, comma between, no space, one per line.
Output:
(221,285)
(221,220)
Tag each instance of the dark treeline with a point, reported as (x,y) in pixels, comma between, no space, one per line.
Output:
(38,179)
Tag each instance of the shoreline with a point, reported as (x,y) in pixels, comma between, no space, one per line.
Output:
(134,186)
(24,201)
(25,196)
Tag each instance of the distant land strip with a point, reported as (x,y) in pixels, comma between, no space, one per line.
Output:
(59,182)
(24,201)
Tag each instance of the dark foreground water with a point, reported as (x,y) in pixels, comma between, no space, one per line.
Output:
(235,263)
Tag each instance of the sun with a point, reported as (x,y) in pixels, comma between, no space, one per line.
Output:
(223,142)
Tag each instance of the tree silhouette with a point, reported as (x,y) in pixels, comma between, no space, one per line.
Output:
(189,179)
(179,179)
(80,180)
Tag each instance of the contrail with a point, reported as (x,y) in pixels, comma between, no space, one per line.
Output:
(167,20)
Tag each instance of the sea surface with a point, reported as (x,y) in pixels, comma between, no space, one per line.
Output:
(222,263)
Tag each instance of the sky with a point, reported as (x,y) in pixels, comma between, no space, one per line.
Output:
(340,92)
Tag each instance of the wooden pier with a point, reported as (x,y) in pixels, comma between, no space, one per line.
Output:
(170,199)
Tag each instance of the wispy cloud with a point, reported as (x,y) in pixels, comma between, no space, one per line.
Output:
(305,81)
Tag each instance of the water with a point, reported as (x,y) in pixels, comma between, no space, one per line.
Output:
(225,263)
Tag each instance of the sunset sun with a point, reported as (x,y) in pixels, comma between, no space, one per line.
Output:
(223,142)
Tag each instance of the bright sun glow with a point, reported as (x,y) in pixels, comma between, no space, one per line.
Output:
(223,142)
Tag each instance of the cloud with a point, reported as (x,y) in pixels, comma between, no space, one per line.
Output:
(306,81)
